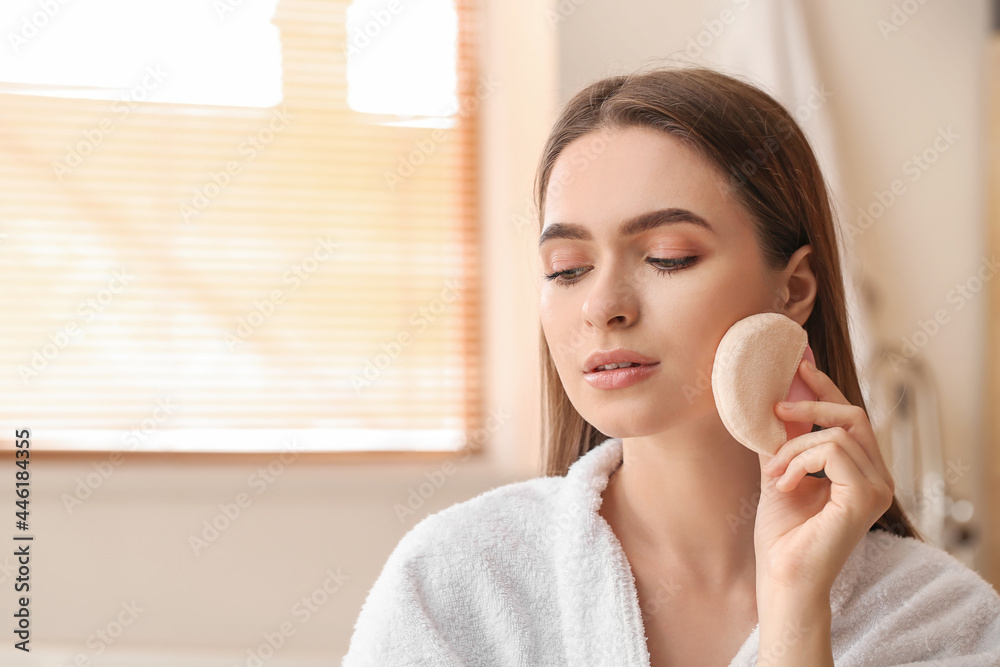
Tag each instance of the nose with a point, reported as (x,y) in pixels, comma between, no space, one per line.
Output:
(611,301)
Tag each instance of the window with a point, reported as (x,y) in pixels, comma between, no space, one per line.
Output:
(202,270)
(198,52)
(401,60)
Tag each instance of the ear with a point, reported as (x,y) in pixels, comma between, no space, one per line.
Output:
(796,286)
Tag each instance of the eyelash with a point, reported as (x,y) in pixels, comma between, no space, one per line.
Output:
(678,264)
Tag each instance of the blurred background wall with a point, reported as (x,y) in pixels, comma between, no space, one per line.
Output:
(325,526)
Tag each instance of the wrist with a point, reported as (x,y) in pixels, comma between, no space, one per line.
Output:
(804,598)
(794,629)
(791,588)
(784,605)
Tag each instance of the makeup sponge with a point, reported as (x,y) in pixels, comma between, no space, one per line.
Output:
(756,366)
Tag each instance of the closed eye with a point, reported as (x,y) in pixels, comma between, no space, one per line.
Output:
(661,265)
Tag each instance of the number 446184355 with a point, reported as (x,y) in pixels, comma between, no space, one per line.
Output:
(22,490)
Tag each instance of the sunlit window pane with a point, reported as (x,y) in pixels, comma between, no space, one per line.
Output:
(177,51)
(401,59)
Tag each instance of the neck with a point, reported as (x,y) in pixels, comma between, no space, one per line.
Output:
(687,498)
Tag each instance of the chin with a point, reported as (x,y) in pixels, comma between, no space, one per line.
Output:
(616,423)
(623,432)
(640,415)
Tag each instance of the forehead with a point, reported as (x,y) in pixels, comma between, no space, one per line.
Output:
(609,176)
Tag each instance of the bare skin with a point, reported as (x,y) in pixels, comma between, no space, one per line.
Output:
(688,620)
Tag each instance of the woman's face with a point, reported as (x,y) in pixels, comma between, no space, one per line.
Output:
(614,296)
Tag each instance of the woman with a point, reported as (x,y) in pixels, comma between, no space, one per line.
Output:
(674,203)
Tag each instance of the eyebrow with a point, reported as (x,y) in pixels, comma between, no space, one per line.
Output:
(637,225)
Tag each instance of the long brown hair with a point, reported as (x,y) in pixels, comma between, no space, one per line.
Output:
(771,171)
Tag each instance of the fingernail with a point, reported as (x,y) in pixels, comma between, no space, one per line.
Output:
(786,405)
(810,365)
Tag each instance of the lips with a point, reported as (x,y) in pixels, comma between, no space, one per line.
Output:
(607,368)
(616,356)
(621,378)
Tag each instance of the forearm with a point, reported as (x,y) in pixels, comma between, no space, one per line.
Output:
(794,632)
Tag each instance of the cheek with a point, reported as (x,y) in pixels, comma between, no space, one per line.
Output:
(687,318)
(558,325)
(549,315)
(566,336)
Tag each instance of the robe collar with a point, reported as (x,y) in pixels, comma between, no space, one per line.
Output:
(599,604)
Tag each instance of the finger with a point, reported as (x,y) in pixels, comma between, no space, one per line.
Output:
(851,418)
(794,447)
(846,478)
(821,473)
(825,389)
(822,457)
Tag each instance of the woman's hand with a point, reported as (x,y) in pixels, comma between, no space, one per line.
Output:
(806,527)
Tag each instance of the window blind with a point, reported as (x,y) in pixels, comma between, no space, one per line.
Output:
(212,278)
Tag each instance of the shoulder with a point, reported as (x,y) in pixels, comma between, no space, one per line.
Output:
(915,600)
(520,520)
(511,514)
(912,567)
(456,586)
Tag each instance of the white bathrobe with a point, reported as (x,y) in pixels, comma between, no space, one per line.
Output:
(529,574)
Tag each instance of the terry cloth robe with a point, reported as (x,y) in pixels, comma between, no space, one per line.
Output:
(529,574)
